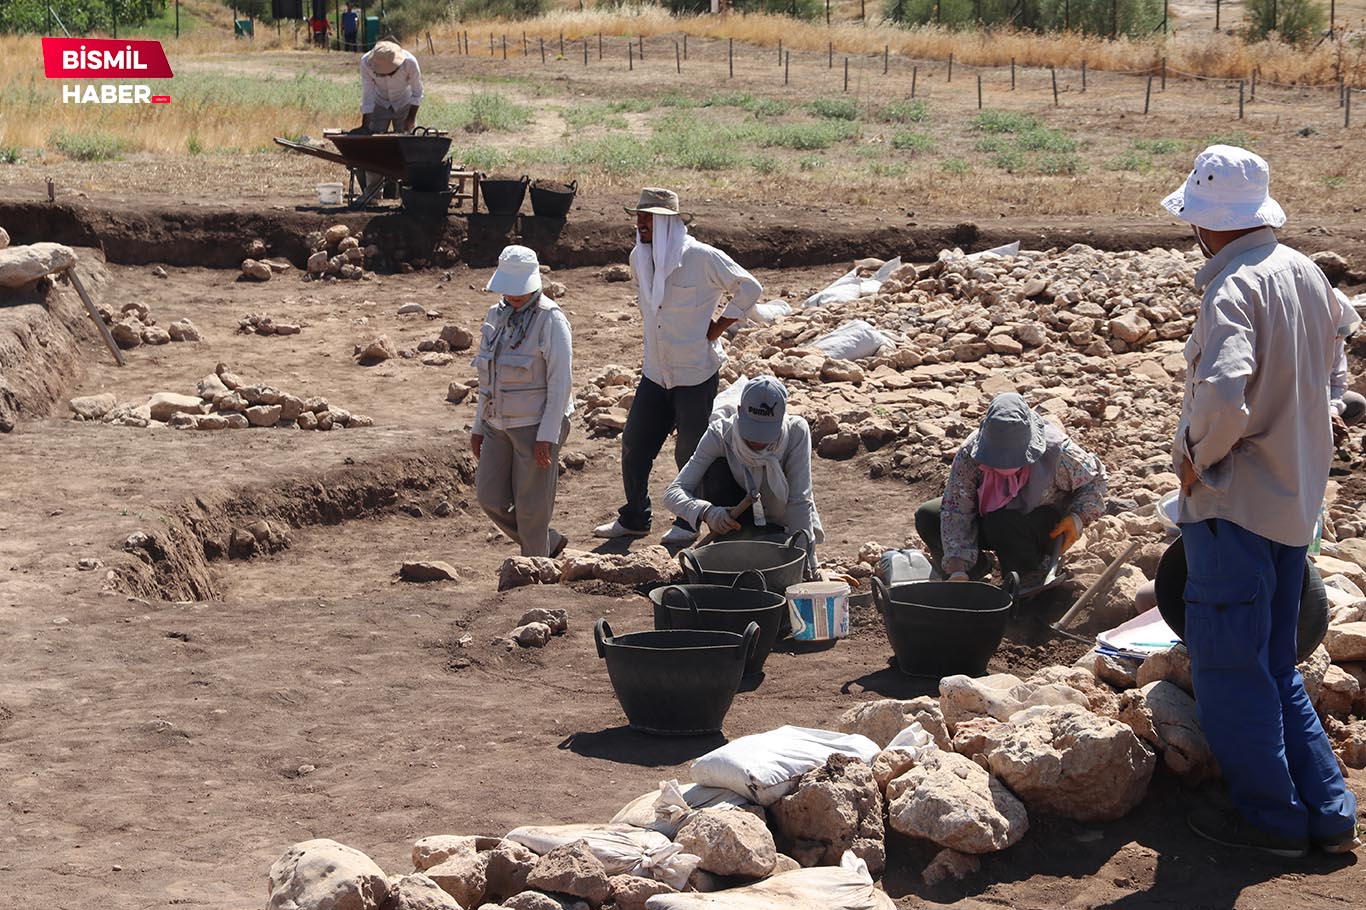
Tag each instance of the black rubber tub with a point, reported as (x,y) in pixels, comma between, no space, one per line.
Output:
(722,563)
(430,176)
(425,204)
(1171,599)
(943,628)
(552,200)
(675,683)
(503,195)
(725,610)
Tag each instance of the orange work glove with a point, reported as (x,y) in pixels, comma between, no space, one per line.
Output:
(1069,529)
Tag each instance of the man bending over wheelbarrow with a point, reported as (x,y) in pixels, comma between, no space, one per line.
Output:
(390,93)
(1019,487)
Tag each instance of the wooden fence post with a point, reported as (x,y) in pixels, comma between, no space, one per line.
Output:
(1054,72)
(1147,96)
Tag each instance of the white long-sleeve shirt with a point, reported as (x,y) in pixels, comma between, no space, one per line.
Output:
(399,90)
(1253,421)
(677,352)
(796,513)
(1340,380)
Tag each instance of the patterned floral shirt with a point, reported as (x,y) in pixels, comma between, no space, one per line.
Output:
(1078,486)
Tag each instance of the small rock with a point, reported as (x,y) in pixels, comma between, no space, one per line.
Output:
(457,392)
(1170,664)
(418,892)
(127,334)
(1334,265)
(264,415)
(307,421)
(334,235)
(532,635)
(520,571)
(456,338)
(184,330)
(212,422)
(1130,328)
(1346,642)
(412,309)
(950,865)
(729,842)
(630,892)
(573,870)
(437,848)
(256,271)
(88,564)
(93,407)
(154,334)
(164,405)
(616,273)
(437,360)
(431,570)
(317,263)
(556,620)
(554,290)
(1163,715)
(287,328)
(841,445)
(953,801)
(237,421)
(1120,672)
(377,351)
(464,876)
(841,371)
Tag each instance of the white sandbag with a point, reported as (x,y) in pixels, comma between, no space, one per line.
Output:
(847,886)
(1008,251)
(620,848)
(769,313)
(850,286)
(852,341)
(765,766)
(727,403)
(664,810)
(914,739)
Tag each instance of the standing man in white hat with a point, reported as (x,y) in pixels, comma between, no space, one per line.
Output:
(525,365)
(1252,450)
(680,285)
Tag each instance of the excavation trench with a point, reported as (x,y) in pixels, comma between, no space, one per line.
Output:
(177,562)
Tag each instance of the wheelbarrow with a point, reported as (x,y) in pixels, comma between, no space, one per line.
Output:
(397,156)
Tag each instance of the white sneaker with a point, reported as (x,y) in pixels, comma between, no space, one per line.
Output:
(614,529)
(678,537)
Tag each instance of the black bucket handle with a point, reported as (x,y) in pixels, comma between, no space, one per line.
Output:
(602,632)
(526,179)
(749,644)
(882,597)
(687,600)
(692,568)
(573,186)
(763,582)
(801,532)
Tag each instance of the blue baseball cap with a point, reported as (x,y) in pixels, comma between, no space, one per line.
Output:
(763,405)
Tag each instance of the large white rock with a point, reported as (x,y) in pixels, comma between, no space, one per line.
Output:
(729,842)
(1163,715)
(1339,692)
(165,405)
(22,265)
(1000,696)
(1069,762)
(882,719)
(418,892)
(954,802)
(1346,642)
(93,407)
(325,875)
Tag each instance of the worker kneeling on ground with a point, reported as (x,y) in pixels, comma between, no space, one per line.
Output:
(1018,487)
(755,466)
(525,365)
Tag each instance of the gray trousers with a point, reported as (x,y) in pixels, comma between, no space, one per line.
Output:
(385,120)
(515,492)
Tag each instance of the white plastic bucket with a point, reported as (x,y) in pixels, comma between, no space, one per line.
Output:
(329,193)
(819,610)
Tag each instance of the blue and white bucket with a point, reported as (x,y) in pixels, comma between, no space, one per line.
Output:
(819,610)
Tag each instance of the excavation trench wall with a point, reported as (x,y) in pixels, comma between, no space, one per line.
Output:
(45,336)
(176,562)
(594,234)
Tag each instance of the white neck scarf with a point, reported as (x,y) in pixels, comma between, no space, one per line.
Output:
(653,262)
(763,464)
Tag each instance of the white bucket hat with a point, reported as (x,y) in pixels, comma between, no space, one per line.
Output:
(519,272)
(1229,190)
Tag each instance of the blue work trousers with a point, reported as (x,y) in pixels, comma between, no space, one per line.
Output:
(1242,611)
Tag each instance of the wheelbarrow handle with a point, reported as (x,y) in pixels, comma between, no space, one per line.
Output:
(692,569)
(688,601)
(738,584)
(749,645)
(602,633)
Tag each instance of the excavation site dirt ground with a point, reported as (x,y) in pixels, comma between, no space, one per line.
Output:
(168,726)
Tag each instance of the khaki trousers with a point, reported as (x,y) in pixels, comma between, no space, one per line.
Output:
(515,492)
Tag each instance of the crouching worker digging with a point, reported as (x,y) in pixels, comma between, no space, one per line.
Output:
(755,467)
(525,362)
(1018,487)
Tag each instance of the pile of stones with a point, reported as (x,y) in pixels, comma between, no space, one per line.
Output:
(223,401)
(135,325)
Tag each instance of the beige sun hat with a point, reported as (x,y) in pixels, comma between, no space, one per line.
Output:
(657,201)
(387,56)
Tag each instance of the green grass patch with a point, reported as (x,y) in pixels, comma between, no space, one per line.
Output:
(193,145)
(1130,161)
(9,154)
(611,155)
(1237,137)
(482,158)
(807,137)
(763,164)
(1045,139)
(811,163)
(832,108)
(911,141)
(1159,146)
(1010,160)
(584,116)
(88,145)
(485,112)
(677,99)
(955,166)
(902,112)
(1056,163)
(1005,122)
(759,107)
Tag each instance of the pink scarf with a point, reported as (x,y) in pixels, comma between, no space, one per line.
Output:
(999,487)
